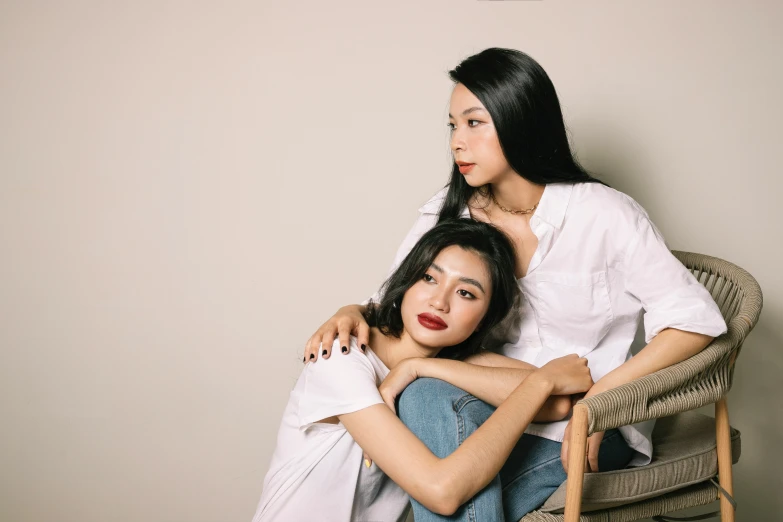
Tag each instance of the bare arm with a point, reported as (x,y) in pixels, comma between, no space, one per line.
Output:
(488,376)
(442,485)
(491,384)
(495,360)
(669,347)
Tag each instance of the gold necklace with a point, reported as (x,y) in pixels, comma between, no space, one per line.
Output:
(511,211)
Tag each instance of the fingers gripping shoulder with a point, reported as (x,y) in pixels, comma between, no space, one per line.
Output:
(338,385)
(341,365)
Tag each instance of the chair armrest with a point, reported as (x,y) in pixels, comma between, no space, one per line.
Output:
(699,380)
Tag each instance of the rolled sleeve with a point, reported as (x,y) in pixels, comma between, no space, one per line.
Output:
(669,293)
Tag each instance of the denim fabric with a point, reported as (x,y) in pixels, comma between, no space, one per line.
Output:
(443,416)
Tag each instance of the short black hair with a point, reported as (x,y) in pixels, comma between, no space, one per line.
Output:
(488,242)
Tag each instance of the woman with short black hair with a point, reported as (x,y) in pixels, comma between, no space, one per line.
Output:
(452,288)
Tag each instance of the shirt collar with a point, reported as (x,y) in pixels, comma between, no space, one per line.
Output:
(554,203)
(551,208)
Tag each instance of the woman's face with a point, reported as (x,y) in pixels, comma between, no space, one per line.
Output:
(448,303)
(474,140)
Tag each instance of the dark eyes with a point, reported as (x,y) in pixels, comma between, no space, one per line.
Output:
(465,293)
(451,125)
(461,292)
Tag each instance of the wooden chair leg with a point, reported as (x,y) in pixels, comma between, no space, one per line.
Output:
(723,437)
(577,455)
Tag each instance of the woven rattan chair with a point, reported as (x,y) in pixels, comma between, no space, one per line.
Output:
(703,379)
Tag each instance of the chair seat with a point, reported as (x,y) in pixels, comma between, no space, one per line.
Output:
(684,453)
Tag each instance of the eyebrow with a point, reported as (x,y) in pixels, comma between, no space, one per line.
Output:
(468,111)
(467,280)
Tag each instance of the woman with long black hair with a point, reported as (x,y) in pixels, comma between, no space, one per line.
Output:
(590,265)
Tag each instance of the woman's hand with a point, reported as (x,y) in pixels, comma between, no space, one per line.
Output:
(572,376)
(397,380)
(593,441)
(593,445)
(569,375)
(346,322)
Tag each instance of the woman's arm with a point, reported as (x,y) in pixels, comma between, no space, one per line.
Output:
(669,347)
(442,485)
(680,319)
(491,384)
(483,377)
(495,360)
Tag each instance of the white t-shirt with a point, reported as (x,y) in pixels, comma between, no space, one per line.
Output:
(600,265)
(317,470)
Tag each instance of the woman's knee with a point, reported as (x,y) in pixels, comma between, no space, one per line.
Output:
(428,409)
(427,396)
(428,403)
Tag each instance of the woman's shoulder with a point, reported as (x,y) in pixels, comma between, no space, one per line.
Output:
(601,200)
(354,363)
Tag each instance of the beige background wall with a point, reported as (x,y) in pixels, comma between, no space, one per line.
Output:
(188,189)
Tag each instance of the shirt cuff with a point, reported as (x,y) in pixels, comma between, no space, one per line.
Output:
(311,418)
(705,322)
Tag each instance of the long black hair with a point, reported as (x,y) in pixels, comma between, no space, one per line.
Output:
(488,242)
(525,110)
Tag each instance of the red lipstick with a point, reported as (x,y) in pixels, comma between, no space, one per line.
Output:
(432,322)
(464,168)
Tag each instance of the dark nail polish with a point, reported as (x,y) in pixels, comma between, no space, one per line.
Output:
(312,356)
(345,349)
(304,359)
(324,352)
(364,347)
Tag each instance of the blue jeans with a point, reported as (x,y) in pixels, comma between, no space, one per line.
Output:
(443,416)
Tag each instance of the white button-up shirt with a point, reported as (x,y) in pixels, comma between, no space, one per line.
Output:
(599,267)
